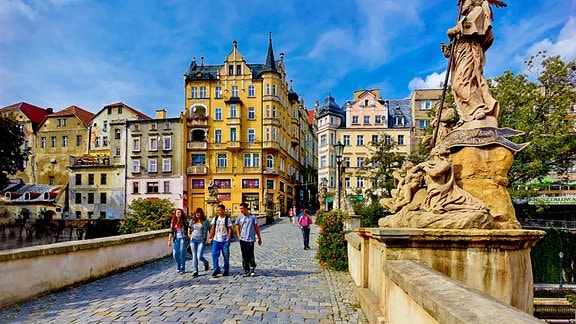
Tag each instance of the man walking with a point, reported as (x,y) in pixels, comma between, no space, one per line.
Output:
(247,228)
(220,236)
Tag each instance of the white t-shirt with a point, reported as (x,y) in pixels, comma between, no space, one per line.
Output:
(221,230)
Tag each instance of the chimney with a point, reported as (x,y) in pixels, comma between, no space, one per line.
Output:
(50,110)
(161,114)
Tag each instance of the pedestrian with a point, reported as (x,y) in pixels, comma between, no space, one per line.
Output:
(220,236)
(305,222)
(247,229)
(178,238)
(291,215)
(199,228)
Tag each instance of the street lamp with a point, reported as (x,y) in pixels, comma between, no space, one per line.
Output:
(339,149)
(561,255)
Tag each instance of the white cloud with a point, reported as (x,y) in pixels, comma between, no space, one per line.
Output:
(564,46)
(432,81)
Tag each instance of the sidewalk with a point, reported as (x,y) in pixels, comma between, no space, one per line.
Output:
(289,287)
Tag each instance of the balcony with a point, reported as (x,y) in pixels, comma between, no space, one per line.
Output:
(197,121)
(270,145)
(234,146)
(89,160)
(197,169)
(196,145)
(270,171)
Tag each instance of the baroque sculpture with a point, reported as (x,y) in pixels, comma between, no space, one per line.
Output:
(463,183)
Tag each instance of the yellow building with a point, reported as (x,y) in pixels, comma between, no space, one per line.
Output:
(244,133)
(61,135)
(364,120)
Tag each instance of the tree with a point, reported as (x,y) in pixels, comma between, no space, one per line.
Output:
(12,156)
(539,109)
(147,215)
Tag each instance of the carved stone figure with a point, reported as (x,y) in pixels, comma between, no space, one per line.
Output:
(473,36)
(322,195)
(212,190)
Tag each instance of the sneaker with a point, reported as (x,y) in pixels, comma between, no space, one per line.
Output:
(246,274)
(225,274)
(195,274)
(215,273)
(206,266)
(180,272)
(252,274)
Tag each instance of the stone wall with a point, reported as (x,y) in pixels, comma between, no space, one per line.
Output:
(38,270)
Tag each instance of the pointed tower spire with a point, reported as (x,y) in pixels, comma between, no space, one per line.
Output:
(270,62)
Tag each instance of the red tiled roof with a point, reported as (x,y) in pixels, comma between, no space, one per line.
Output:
(311,116)
(34,113)
(84,115)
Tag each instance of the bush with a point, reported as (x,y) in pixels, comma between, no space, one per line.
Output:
(545,258)
(270,217)
(332,247)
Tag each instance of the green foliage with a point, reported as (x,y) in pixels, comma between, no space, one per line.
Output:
(379,167)
(545,259)
(572,299)
(269,217)
(12,156)
(539,109)
(332,247)
(370,212)
(147,215)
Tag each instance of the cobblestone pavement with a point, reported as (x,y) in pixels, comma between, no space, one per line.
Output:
(289,287)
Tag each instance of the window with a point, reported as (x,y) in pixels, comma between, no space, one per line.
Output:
(117,133)
(136,145)
(267,111)
(346,140)
(233,111)
(374,139)
(360,182)
(153,127)
(135,166)
(234,91)
(97,142)
(105,141)
(90,214)
(91,179)
(323,160)
(166,165)
(78,198)
(203,92)
(251,160)
(153,144)
(78,181)
(346,161)
(43,142)
(217,136)
(360,140)
(274,89)
(360,162)
(64,141)
(267,89)
(270,184)
(193,92)
(388,139)
(323,140)
(78,140)
(423,123)
(117,151)
(198,159)
(167,126)
(103,178)
(230,69)
(251,135)
(167,145)
(378,119)
(354,119)
(282,168)
(218,114)
(53,141)
(251,113)
(218,92)
(152,166)
(151,187)
(222,160)
(233,136)
(135,187)
(425,105)
(166,186)
(78,214)
(270,162)
(136,127)
(103,198)
(366,119)
(347,182)
(251,91)
(400,139)
(90,197)
(400,120)
(102,214)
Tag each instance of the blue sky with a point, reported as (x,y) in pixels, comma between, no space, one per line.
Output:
(90,53)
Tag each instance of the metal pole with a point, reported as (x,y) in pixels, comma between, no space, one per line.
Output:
(338,163)
(561,255)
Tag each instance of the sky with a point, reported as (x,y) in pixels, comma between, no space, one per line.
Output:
(91,53)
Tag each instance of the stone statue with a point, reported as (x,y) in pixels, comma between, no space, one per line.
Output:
(322,195)
(212,190)
(445,123)
(472,36)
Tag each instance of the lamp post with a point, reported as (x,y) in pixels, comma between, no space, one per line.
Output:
(339,149)
(561,255)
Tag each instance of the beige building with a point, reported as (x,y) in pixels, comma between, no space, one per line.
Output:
(364,120)
(61,135)
(97,184)
(423,101)
(154,160)
(246,133)
(30,117)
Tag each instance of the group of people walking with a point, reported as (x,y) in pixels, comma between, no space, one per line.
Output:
(200,231)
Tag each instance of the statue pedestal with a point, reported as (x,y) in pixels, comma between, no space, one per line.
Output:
(495,262)
(213,202)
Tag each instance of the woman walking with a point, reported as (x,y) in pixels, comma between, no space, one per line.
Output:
(199,228)
(178,238)
(305,221)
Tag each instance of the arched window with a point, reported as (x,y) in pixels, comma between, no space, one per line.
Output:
(270,161)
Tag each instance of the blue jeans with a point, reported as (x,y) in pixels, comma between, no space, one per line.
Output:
(179,253)
(198,252)
(218,247)
(306,236)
